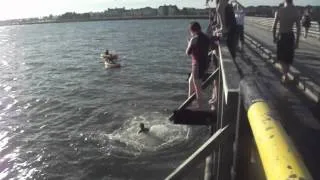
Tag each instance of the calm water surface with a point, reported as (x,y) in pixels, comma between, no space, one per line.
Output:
(63,116)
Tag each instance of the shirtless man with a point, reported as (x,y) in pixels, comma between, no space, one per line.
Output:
(287,16)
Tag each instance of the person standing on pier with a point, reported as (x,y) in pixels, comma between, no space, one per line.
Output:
(239,13)
(198,47)
(316,17)
(221,15)
(306,20)
(287,16)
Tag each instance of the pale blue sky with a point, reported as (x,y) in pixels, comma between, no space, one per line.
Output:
(10,9)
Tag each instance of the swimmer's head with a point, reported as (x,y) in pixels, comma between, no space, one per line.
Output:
(107,51)
(141,126)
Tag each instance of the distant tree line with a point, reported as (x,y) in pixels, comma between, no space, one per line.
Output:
(162,11)
(269,11)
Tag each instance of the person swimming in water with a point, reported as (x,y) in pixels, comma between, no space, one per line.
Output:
(143,129)
(109,58)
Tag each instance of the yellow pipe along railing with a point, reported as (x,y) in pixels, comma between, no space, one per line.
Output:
(280,159)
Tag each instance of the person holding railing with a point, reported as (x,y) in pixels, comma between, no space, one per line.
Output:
(287,16)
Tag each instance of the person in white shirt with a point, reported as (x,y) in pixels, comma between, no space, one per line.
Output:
(239,14)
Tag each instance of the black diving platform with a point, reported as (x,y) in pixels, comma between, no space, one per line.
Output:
(194,117)
(186,115)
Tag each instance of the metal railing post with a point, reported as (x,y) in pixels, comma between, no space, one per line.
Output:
(218,124)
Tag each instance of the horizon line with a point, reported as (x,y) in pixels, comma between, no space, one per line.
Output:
(97,11)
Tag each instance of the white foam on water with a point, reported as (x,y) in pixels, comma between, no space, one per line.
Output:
(162,134)
(5,63)
(7,88)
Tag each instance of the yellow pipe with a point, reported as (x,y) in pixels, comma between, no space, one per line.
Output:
(280,159)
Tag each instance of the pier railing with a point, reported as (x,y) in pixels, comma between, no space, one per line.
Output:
(267,23)
(248,140)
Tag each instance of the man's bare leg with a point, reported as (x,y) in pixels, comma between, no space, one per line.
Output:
(198,91)
(285,70)
(191,85)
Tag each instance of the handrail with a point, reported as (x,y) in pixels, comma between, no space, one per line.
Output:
(267,22)
(202,152)
(279,156)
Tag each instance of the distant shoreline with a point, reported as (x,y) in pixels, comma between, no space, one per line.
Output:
(108,19)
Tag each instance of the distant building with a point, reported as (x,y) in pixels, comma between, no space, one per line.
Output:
(128,12)
(163,10)
(263,11)
(173,10)
(203,12)
(115,12)
(148,11)
(96,15)
(189,11)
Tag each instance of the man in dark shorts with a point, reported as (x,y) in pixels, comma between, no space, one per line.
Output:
(198,48)
(287,16)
